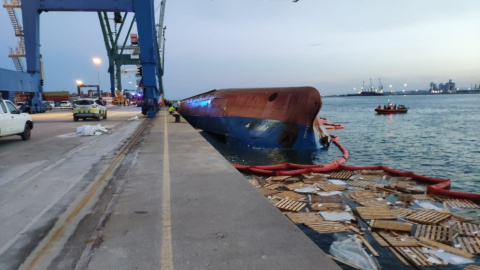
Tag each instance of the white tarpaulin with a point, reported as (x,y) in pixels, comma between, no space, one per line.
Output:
(337,216)
(308,189)
(89,130)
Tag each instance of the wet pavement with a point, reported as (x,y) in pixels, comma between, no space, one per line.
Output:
(152,194)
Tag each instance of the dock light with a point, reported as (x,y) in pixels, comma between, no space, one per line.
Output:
(79,84)
(97,61)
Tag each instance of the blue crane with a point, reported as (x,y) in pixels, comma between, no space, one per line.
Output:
(149,58)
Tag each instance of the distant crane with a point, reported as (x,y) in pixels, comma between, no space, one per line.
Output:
(380,86)
(19,52)
(119,53)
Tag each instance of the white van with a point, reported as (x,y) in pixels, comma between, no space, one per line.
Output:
(65,104)
(50,104)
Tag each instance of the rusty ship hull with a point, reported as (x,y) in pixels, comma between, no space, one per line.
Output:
(259,117)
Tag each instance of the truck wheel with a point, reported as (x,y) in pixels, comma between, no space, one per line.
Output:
(99,117)
(75,119)
(105,115)
(26,133)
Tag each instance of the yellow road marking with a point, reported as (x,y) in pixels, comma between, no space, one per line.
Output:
(59,232)
(166,258)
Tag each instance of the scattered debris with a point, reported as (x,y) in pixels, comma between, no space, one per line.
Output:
(304,217)
(327,226)
(90,130)
(361,206)
(441,234)
(391,225)
(428,216)
(337,216)
(290,205)
(350,249)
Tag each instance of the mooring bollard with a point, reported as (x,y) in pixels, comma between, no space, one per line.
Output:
(177,117)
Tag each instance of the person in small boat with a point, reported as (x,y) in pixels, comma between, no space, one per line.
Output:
(379,107)
(384,107)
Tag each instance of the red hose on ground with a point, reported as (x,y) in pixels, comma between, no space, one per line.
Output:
(286,168)
(440,186)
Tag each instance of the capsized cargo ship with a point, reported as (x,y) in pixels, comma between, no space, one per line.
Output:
(284,117)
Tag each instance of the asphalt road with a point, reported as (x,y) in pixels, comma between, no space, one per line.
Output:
(52,177)
(150,194)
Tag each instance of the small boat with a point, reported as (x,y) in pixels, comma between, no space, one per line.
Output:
(390,109)
(284,117)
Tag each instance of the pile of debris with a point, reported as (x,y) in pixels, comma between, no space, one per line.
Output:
(388,214)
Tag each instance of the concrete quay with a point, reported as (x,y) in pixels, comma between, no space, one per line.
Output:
(183,206)
(149,194)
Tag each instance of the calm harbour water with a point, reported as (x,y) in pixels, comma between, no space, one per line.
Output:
(438,137)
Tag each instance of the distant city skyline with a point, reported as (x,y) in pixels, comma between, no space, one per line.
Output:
(332,46)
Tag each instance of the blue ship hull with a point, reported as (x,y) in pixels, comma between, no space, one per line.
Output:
(258,133)
(260,117)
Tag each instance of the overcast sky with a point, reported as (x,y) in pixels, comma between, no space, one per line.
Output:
(330,45)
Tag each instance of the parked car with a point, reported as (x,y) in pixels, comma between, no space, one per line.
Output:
(23,107)
(65,104)
(89,108)
(13,122)
(49,104)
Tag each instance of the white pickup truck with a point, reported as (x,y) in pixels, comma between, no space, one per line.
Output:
(12,122)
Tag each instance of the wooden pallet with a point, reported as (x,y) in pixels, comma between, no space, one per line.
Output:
(290,205)
(293,179)
(327,226)
(468,244)
(467,229)
(295,185)
(362,184)
(376,213)
(304,217)
(428,216)
(422,197)
(267,192)
(273,186)
(290,195)
(472,267)
(370,178)
(373,202)
(448,248)
(326,206)
(315,180)
(342,175)
(279,178)
(402,212)
(391,225)
(395,241)
(326,199)
(332,187)
(441,234)
(357,195)
(416,255)
(461,203)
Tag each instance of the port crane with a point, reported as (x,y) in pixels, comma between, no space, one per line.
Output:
(31,80)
